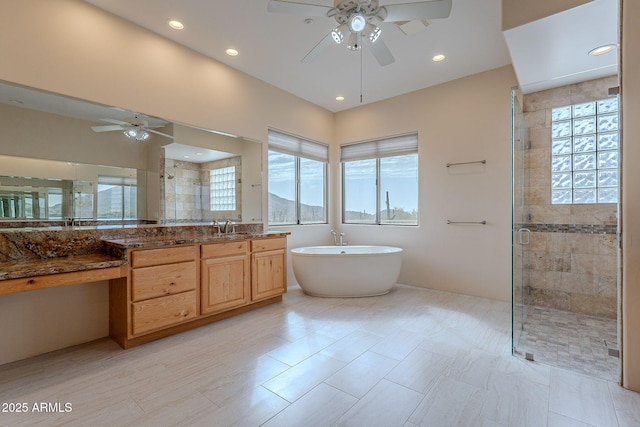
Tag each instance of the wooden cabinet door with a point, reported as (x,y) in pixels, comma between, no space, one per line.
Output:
(224,283)
(268,275)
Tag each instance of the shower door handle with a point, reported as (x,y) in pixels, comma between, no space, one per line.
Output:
(522,232)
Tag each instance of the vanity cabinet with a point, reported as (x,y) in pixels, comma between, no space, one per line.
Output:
(171,289)
(268,262)
(224,273)
(163,288)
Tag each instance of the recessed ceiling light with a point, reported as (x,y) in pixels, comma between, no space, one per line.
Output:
(232,52)
(340,98)
(176,25)
(437,58)
(186,157)
(16,101)
(601,50)
(198,154)
(308,21)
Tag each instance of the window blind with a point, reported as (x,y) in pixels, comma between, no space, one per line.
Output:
(388,147)
(295,146)
(116,180)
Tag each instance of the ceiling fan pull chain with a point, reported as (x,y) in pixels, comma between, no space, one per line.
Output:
(361,75)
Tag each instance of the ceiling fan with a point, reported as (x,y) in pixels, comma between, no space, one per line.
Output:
(358,20)
(133,127)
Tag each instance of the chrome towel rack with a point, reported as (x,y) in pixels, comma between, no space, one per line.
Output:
(466,163)
(466,222)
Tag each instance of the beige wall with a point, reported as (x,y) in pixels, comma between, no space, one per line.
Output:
(29,133)
(464,120)
(520,12)
(630,86)
(73,48)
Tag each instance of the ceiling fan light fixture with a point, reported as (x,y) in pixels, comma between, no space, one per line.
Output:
(142,136)
(338,33)
(357,23)
(373,32)
(137,134)
(354,42)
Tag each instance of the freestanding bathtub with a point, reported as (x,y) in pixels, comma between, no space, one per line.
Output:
(346,271)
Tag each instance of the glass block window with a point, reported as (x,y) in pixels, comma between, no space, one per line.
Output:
(222,184)
(585,153)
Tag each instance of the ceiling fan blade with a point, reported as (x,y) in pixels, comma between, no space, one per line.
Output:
(279,6)
(159,133)
(106,128)
(433,9)
(322,45)
(381,52)
(116,122)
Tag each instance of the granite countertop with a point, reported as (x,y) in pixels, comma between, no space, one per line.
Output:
(158,241)
(30,253)
(42,267)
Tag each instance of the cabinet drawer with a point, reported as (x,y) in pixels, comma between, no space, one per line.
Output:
(268,244)
(162,312)
(145,258)
(224,249)
(161,280)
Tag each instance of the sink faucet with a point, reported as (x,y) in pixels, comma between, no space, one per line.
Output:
(225,227)
(335,240)
(342,243)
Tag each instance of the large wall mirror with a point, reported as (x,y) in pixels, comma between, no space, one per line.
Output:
(67,159)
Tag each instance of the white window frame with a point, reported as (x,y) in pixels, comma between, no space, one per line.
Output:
(395,146)
(299,147)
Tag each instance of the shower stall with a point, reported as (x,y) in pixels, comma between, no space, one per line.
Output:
(565,186)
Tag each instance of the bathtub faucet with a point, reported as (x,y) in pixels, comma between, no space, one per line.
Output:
(342,243)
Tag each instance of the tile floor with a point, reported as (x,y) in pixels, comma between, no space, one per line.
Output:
(573,341)
(414,357)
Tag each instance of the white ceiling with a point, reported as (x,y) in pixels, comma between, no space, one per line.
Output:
(188,153)
(553,51)
(271,46)
(546,53)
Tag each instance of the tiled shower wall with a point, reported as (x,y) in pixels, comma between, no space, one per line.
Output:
(571,261)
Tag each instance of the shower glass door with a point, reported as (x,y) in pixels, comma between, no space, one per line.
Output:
(520,235)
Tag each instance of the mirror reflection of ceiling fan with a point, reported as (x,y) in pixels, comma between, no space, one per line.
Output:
(358,21)
(133,127)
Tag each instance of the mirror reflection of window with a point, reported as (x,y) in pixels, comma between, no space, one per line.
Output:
(117,198)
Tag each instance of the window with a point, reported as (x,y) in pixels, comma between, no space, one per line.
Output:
(222,184)
(297,180)
(380,181)
(117,197)
(585,153)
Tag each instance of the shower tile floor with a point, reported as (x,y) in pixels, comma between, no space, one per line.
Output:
(572,341)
